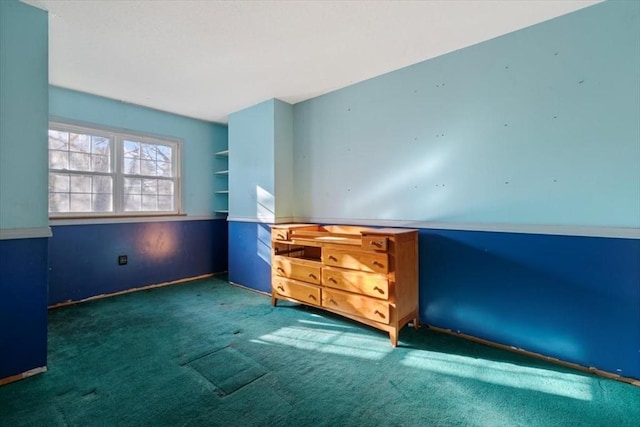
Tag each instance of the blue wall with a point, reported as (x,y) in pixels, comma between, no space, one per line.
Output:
(250,255)
(573,298)
(261,180)
(23,188)
(200,139)
(539,126)
(23,305)
(24,114)
(519,161)
(83,258)
(251,162)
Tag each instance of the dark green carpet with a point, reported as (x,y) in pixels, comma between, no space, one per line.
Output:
(207,353)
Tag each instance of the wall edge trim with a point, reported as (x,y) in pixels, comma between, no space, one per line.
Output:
(281,220)
(123,220)
(246,288)
(128,291)
(25,233)
(561,230)
(23,375)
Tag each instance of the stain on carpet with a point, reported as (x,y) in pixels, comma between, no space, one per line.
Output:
(228,370)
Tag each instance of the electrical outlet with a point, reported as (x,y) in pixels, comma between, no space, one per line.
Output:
(122,260)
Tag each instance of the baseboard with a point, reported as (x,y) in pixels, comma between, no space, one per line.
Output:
(23,375)
(590,370)
(250,289)
(127,291)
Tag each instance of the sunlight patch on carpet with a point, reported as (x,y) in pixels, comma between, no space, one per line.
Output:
(328,341)
(502,373)
(228,370)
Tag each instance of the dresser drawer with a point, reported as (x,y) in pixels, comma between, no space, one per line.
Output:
(358,305)
(300,269)
(293,289)
(364,261)
(374,242)
(372,284)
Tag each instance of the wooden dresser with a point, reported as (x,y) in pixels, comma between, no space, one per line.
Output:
(366,274)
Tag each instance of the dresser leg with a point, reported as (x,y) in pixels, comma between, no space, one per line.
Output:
(393,336)
(274,301)
(416,323)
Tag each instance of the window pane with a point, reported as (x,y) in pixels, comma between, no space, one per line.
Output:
(80,184)
(147,167)
(79,161)
(80,143)
(150,186)
(100,145)
(101,202)
(164,169)
(149,203)
(131,149)
(148,151)
(131,166)
(100,163)
(132,202)
(164,153)
(79,202)
(58,140)
(165,203)
(132,186)
(58,160)
(58,183)
(58,202)
(165,187)
(101,185)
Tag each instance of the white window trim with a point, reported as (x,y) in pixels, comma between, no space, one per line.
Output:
(118,137)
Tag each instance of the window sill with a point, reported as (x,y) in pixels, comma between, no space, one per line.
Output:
(115,219)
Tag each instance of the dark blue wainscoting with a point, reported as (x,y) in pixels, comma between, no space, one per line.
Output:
(23,305)
(250,255)
(573,298)
(83,259)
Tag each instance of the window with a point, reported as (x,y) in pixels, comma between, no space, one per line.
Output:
(93,172)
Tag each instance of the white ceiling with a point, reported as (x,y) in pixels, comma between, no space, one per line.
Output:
(207,59)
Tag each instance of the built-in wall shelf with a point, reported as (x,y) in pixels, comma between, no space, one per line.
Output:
(221,185)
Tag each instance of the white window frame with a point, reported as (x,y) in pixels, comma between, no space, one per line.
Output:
(117,138)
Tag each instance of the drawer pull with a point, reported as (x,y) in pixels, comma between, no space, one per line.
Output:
(332,301)
(280,269)
(313,276)
(381,291)
(379,314)
(280,288)
(331,279)
(280,236)
(313,297)
(378,243)
(378,263)
(332,258)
